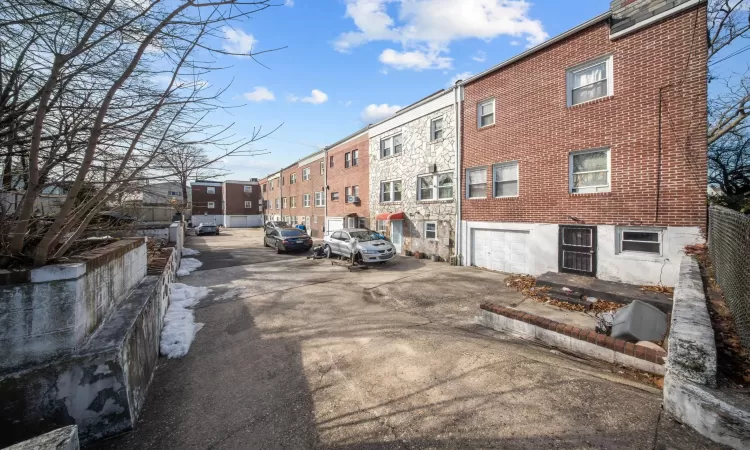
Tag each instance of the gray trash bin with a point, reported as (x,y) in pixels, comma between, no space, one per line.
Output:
(639,321)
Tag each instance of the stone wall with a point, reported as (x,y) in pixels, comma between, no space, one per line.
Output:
(64,303)
(418,152)
(101,386)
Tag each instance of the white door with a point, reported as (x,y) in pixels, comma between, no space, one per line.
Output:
(501,250)
(397,234)
(237,222)
(334,225)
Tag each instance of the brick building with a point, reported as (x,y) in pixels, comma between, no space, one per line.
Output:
(586,154)
(348,164)
(242,204)
(271,196)
(208,202)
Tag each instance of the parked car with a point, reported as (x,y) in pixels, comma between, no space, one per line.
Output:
(206,228)
(287,239)
(363,245)
(276,224)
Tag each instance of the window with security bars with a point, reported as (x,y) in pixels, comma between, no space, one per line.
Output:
(579,261)
(578,237)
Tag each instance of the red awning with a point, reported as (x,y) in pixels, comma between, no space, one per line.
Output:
(390,216)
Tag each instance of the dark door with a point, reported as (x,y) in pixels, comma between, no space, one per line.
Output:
(578,250)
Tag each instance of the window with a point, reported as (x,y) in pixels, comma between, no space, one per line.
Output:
(248,205)
(306,200)
(505,179)
(435,187)
(293,202)
(305,174)
(390,146)
(334,196)
(355,157)
(362,222)
(210,190)
(590,171)
(271,183)
(355,191)
(293,178)
(278,203)
(486,113)
(351,222)
(248,189)
(260,207)
(320,199)
(427,187)
(174,194)
(315,219)
(641,240)
(430,230)
(590,81)
(381,226)
(284,202)
(347,160)
(390,191)
(331,162)
(477,183)
(281,180)
(436,129)
(211,205)
(347,194)
(322,167)
(264,188)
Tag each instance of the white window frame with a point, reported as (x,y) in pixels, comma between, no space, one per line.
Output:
(435,187)
(293,202)
(434,130)
(278,203)
(305,174)
(620,238)
(293,178)
(284,202)
(323,167)
(347,193)
(572,70)
(305,200)
(337,196)
(381,226)
(435,232)
(391,147)
(210,190)
(248,204)
(271,183)
(320,199)
(355,158)
(347,160)
(211,205)
(590,189)
(468,186)
(479,113)
(174,194)
(355,191)
(518,179)
(248,189)
(391,184)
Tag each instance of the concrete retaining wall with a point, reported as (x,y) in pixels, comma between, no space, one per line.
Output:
(102,385)
(65,438)
(689,395)
(64,303)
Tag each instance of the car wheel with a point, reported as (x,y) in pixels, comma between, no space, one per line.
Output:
(265,244)
(327,251)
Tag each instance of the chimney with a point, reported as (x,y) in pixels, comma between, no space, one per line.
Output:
(629,15)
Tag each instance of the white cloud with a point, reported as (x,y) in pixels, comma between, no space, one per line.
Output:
(415,60)
(259,94)
(291,98)
(515,43)
(429,27)
(237,41)
(289,3)
(480,56)
(375,113)
(348,103)
(316,97)
(459,76)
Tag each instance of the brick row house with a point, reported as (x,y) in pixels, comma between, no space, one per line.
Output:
(585,154)
(233,204)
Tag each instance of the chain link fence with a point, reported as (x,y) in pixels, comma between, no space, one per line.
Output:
(729,248)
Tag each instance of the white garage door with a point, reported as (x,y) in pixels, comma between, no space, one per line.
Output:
(237,222)
(333,225)
(501,250)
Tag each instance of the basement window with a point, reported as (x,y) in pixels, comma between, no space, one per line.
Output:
(640,240)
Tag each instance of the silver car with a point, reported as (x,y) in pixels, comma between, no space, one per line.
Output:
(364,245)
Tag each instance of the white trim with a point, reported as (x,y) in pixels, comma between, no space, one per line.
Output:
(308,174)
(306,199)
(247,188)
(211,190)
(620,230)
(518,179)
(392,190)
(311,159)
(431,222)
(590,189)
(479,113)
(435,187)
(250,203)
(467,194)
(320,195)
(433,130)
(608,59)
(210,205)
(194,183)
(653,19)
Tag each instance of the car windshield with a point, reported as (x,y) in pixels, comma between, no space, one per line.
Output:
(364,236)
(292,233)
(279,224)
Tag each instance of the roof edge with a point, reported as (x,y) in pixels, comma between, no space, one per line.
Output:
(351,136)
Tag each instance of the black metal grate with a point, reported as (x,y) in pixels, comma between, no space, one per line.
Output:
(729,248)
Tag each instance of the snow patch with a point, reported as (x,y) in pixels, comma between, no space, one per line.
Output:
(189,252)
(187,266)
(98,238)
(179,322)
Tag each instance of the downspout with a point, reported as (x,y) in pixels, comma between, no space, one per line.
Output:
(325,191)
(457,102)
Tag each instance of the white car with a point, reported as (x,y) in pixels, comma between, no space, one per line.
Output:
(364,245)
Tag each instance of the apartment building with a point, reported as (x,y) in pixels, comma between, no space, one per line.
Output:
(208,202)
(348,182)
(271,196)
(587,153)
(242,201)
(413,176)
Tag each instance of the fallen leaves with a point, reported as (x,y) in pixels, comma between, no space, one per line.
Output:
(668,291)
(526,285)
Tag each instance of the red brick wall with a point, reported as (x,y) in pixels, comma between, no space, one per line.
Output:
(339,178)
(535,127)
(271,196)
(297,190)
(201,197)
(236,197)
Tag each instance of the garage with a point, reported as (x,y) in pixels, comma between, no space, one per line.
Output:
(334,224)
(500,250)
(237,222)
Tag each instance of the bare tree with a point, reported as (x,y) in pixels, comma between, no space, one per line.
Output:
(78,101)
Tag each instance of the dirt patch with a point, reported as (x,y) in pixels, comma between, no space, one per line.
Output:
(733,361)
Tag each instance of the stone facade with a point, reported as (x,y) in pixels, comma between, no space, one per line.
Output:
(419,152)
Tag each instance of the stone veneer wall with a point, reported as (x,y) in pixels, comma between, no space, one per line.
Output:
(417,153)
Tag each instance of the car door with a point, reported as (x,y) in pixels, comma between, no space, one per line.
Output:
(344,248)
(333,242)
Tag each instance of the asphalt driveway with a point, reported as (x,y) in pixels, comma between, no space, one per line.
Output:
(303,354)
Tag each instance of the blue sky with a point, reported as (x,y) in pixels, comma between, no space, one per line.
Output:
(343,56)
